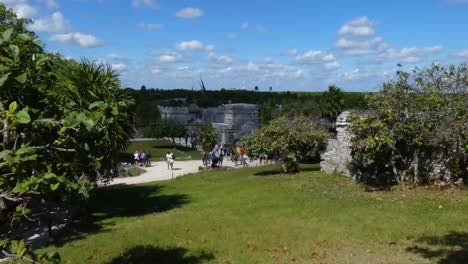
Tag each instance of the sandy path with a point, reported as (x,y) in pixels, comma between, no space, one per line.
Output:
(159,172)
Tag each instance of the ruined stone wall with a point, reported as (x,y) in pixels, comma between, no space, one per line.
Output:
(337,156)
(232,121)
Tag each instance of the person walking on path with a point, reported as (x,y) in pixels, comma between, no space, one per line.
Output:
(171,160)
(168,158)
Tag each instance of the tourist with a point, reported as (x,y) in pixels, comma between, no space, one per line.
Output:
(142,157)
(136,157)
(171,160)
(221,156)
(168,158)
(238,154)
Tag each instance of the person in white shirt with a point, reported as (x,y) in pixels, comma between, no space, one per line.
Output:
(168,158)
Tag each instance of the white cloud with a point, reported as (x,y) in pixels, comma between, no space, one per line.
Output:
(189,13)
(150,26)
(244,25)
(115,56)
(410,55)
(170,57)
(461,54)
(314,56)
(332,65)
(361,26)
(231,36)
(360,46)
(51,4)
(119,66)
(21,8)
(144,4)
(56,23)
(194,45)
(156,71)
(77,38)
(219,59)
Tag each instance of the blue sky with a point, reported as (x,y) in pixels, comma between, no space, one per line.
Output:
(296,45)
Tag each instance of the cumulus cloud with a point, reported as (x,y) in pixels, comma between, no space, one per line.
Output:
(360,26)
(21,8)
(56,23)
(115,56)
(361,46)
(316,57)
(219,59)
(194,45)
(145,4)
(170,57)
(189,13)
(51,4)
(119,66)
(244,25)
(461,54)
(410,55)
(149,26)
(77,38)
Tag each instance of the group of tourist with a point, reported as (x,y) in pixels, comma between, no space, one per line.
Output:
(237,154)
(142,158)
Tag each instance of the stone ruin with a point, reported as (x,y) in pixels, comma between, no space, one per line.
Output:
(231,121)
(337,156)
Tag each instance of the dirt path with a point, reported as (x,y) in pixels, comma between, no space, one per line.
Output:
(159,172)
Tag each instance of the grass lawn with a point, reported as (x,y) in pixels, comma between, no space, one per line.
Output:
(158,150)
(256,215)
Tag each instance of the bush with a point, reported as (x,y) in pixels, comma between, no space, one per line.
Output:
(415,131)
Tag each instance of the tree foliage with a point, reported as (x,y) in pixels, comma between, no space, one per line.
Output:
(208,137)
(292,139)
(332,102)
(63,123)
(167,128)
(416,126)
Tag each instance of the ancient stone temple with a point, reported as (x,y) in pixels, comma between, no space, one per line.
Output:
(232,121)
(337,157)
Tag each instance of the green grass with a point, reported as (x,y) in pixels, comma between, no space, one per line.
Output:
(256,215)
(158,150)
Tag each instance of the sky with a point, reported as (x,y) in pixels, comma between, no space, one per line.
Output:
(295,45)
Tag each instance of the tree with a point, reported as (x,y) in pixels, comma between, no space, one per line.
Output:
(208,137)
(417,126)
(332,103)
(167,128)
(292,139)
(256,88)
(61,129)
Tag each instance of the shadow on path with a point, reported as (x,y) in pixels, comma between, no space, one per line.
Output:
(448,249)
(157,255)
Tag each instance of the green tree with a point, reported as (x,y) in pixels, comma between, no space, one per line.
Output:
(418,121)
(167,128)
(208,137)
(61,129)
(292,139)
(332,103)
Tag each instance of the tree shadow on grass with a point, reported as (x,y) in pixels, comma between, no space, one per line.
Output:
(449,249)
(117,202)
(279,171)
(157,255)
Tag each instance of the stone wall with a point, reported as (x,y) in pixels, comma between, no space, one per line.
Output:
(232,121)
(337,157)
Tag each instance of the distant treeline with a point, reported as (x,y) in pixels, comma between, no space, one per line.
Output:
(307,103)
